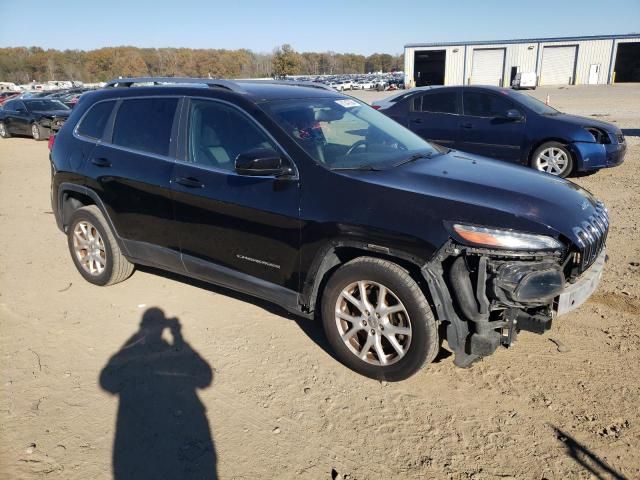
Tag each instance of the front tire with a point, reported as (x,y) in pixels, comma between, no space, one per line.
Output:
(377,320)
(37,132)
(553,158)
(94,249)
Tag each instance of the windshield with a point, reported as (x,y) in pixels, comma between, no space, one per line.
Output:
(345,133)
(44,105)
(533,103)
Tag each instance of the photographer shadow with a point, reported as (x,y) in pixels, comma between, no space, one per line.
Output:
(162,430)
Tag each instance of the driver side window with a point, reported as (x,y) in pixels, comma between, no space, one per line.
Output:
(219,133)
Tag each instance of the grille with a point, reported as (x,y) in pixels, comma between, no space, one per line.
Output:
(592,235)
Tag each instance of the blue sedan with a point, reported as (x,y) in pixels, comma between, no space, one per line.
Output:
(507,125)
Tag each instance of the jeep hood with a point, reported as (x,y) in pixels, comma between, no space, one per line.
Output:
(492,193)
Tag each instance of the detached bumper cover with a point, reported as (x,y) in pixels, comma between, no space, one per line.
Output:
(592,156)
(577,293)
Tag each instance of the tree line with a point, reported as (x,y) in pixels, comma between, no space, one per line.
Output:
(26,64)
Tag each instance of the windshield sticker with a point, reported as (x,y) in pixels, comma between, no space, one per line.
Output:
(348,103)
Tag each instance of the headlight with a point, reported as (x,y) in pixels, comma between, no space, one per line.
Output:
(507,239)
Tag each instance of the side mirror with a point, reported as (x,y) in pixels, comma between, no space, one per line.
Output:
(261,162)
(513,115)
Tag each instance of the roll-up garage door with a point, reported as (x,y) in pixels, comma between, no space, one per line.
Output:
(558,65)
(487,67)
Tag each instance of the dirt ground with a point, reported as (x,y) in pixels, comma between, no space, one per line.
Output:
(257,391)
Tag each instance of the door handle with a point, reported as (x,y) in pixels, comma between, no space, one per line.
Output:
(101,162)
(416,120)
(189,182)
(466,125)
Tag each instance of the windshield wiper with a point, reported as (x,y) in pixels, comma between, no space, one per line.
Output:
(361,168)
(414,157)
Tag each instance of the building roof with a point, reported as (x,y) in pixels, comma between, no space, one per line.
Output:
(525,40)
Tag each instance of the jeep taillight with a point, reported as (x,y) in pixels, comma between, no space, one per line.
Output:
(52,139)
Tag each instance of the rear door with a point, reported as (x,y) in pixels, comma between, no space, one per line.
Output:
(232,224)
(435,116)
(131,171)
(483,128)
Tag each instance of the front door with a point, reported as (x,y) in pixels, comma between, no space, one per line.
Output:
(19,121)
(232,224)
(484,128)
(594,74)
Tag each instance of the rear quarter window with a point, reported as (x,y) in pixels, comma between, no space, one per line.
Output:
(93,123)
(145,124)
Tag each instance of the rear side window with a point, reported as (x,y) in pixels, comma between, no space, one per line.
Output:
(145,124)
(442,102)
(478,104)
(10,105)
(93,123)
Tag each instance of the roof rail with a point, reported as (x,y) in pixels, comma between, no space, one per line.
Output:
(293,83)
(232,85)
(210,82)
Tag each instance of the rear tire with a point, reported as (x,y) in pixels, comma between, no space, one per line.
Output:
(385,346)
(4,133)
(94,249)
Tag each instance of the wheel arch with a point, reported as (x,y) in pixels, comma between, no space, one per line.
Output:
(72,197)
(336,253)
(538,144)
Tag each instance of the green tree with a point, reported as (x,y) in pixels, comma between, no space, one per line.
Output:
(286,61)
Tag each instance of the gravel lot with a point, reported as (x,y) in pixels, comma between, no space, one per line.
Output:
(562,405)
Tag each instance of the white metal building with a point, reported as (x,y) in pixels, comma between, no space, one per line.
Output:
(599,59)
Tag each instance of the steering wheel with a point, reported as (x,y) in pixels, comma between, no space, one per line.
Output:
(355,146)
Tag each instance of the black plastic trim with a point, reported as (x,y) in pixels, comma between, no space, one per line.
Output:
(241,282)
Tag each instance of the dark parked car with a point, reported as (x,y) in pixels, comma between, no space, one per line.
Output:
(314,201)
(37,117)
(507,125)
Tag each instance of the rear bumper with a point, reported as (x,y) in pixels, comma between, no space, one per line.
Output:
(577,293)
(593,156)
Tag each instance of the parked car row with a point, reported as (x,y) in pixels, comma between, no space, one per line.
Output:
(312,200)
(507,125)
(341,83)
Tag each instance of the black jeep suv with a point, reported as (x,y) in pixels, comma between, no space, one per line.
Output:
(314,201)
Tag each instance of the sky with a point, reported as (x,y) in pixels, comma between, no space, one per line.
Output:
(362,27)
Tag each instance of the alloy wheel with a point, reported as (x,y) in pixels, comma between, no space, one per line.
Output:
(552,160)
(373,323)
(3,130)
(35,131)
(89,248)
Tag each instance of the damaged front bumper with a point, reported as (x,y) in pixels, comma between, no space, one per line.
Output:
(575,294)
(485,298)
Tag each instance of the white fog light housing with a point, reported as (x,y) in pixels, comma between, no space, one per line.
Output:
(505,239)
